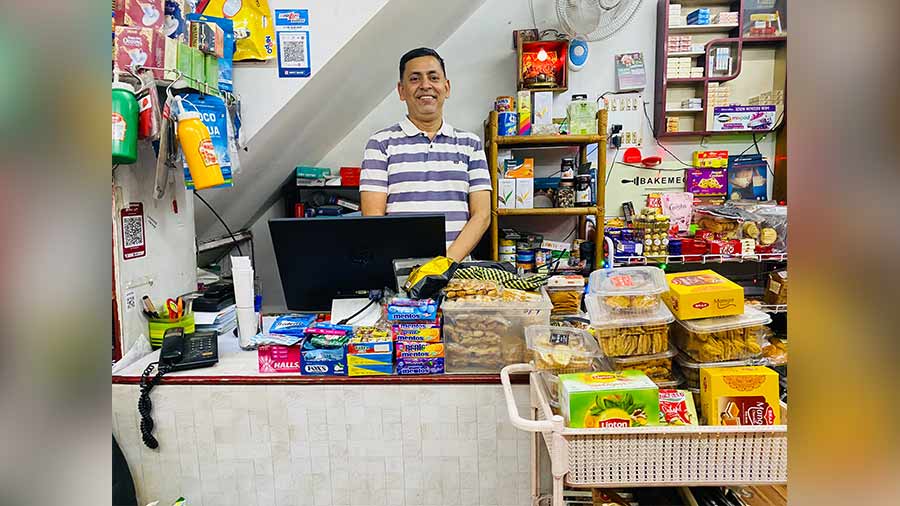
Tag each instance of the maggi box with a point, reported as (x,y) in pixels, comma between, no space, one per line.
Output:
(703,294)
(746,395)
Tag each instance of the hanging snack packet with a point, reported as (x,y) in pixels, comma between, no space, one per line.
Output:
(254,30)
(214,114)
(425,281)
(676,407)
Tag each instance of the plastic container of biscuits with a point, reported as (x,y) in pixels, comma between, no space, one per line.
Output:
(629,290)
(690,369)
(628,335)
(561,350)
(482,336)
(475,290)
(723,338)
(657,366)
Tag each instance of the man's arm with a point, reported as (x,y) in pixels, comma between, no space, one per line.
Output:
(479,221)
(373,179)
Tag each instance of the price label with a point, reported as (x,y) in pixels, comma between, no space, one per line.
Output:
(560,338)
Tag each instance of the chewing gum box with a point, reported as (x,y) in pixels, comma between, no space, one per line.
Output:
(135,46)
(416,332)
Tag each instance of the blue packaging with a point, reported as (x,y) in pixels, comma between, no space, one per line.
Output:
(226,80)
(699,17)
(174,25)
(400,309)
(419,366)
(291,325)
(321,361)
(214,115)
(507,123)
(675,247)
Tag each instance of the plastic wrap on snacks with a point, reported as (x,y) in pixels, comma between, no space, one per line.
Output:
(254,27)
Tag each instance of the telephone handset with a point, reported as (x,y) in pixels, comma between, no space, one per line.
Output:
(179,352)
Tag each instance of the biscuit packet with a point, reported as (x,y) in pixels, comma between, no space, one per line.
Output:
(254,26)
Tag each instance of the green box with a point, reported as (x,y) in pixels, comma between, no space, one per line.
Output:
(313,172)
(184,59)
(198,67)
(609,399)
(212,72)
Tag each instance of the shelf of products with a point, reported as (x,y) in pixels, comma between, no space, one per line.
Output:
(539,141)
(712,28)
(550,211)
(700,259)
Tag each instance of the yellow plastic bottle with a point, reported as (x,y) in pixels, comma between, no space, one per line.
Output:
(199,151)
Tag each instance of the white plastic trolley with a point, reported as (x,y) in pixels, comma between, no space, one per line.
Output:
(645,456)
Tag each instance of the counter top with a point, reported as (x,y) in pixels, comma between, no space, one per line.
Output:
(239,367)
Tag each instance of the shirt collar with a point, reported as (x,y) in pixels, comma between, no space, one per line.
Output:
(411,130)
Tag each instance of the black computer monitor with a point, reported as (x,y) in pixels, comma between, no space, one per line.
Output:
(324,258)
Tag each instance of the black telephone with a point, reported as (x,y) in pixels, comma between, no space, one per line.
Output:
(180,352)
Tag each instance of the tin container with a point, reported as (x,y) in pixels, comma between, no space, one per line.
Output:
(505,104)
(507,123)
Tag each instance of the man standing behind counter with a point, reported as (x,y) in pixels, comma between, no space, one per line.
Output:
(424,165)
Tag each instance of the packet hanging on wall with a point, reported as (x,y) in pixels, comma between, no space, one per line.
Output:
(214,115)
(254,30)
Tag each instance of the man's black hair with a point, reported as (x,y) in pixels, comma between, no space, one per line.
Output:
(421,51)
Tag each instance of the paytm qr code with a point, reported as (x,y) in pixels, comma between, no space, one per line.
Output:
(293,50)
(132,231)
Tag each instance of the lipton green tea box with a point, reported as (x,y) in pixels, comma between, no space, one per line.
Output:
(608,399)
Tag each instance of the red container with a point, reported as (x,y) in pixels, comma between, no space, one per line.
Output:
(299,210)
(690,247)
(350,176)
(732,247)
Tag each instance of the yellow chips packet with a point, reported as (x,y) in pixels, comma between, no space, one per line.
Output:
(254,26)
(426,280)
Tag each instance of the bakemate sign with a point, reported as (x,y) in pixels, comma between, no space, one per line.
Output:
(631,183)
(293,42)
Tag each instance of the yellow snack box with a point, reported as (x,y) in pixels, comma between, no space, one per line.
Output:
(746,395)
(703,294)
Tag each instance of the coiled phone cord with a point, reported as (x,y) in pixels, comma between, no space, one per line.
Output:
(145,406)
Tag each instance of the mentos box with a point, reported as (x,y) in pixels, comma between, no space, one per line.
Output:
(416,332)
(407,350)
(400,309)
(274,358)
(419,366)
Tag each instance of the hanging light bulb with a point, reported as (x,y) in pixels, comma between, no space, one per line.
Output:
(542,55)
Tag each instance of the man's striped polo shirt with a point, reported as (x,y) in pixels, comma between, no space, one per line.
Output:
(426,176)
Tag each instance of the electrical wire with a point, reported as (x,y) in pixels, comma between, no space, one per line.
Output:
(354,315)
(609,172)
(145,406)
(233,239)
(650,124)
(533,20)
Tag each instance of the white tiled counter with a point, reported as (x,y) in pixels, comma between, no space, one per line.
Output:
(389,444)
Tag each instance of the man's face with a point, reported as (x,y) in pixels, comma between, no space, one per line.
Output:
(424,87)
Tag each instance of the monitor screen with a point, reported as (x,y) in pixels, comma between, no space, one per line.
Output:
(323,258)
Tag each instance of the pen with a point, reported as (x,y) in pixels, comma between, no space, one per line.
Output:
(149,308)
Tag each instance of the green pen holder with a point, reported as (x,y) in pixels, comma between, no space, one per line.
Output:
(159,326)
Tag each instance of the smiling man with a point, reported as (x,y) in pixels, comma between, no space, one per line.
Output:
(424,165)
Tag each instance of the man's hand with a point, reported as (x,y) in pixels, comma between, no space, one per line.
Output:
(373,203)
(479,221)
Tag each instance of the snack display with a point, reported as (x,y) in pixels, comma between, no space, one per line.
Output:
(690,370)
(513,295)
(370,352)
(565,293)
(703,294)
(473,290)
(657,367)
(776,288)
(485,336)
(608,400)
(629,289)
(676,407)
(626,335)
(653,230)
(561,350)
(736,337)
(740,396)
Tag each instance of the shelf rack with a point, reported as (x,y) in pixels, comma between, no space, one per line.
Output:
(700,259)
(492,143)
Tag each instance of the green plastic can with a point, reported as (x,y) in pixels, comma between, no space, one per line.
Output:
(124,123)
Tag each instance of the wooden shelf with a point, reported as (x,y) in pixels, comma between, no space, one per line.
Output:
(720,27)
(548,140)
(682,111)
(703,133)
(549,211)
(687,53)
(686,80)
(765,40)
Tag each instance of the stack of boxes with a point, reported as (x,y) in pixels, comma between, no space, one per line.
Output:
(774,97)
(726,18)
(516,185)
(675,17)
(720,61)
(692,103)
(680,43)
(679,67)
(700,16)
(671,124)
(416,333)
(719,95)
(370,352)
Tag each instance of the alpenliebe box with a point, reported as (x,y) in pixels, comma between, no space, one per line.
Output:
(746,395)
(275,358)
(416,332)
(608,399)
(139,47)
(703,294)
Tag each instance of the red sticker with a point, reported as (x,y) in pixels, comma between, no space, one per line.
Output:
(621,281)
(133,245)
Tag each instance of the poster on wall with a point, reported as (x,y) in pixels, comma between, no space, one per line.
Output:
(632,183)
(293,42)
(630,73)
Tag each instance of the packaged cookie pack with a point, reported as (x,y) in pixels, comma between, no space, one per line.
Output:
(657,366)
(690,369)
(486,335)
(475,290)
(561,350)
(629,289)
(723,338)
(628,335)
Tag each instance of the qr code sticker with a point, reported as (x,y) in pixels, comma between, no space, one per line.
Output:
(293,50)
(132,231)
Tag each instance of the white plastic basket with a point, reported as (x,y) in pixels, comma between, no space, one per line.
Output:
(649,456)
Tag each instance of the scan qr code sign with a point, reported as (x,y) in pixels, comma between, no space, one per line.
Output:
(293,42)
(133,236)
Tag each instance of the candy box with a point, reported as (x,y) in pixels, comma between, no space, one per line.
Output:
(732,247)
(275,358)
(370,358)
(608,399)
(746,395)
(143,47)
(410,350)
(400,309)
(706,182)
(419,366)
(523,107)
(416,332)
(702,294)
(144,13)
(318,360)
